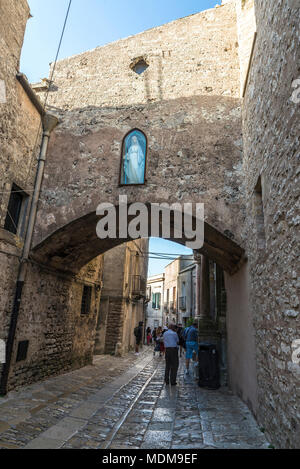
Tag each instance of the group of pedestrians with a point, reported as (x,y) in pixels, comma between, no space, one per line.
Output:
(171,342)
(175,339)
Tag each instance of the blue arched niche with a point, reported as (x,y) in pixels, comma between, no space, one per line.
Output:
(134,152)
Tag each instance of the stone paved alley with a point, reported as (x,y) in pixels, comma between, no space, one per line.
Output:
(122,403)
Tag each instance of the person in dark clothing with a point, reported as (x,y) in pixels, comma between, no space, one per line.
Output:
(172,362)
(180,337)
(138,332)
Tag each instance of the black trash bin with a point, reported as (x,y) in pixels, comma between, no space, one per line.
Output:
(209,374)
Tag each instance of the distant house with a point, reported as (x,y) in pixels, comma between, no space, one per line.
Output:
(155,294)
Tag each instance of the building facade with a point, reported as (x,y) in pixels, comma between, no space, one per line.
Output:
(170,293)
(186,293)
(180,290)
(155,306)
(123,297)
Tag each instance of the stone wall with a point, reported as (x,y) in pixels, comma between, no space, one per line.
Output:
(271,168)
(188,138)
(17,165)
(192,56)
(20,137)
(110,322)
(120,309)
(246,25)
(188,103)
(136,264)
(8,274)
(241,350)
(193,127)
(19,125)
(60,337)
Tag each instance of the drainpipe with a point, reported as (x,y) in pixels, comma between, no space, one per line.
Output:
(49,123)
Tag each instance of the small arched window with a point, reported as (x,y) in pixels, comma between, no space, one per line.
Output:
(139,65)
(133,163)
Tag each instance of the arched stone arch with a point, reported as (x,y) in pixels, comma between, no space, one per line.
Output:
(77,243)
(192,157)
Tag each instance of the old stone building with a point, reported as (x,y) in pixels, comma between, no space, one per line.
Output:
(58,313)
(212,93)
(194,290)
(123,297)
(155,306)
(171,290)
(186,290)
(180,290)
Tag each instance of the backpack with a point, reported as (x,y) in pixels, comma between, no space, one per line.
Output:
(136,331)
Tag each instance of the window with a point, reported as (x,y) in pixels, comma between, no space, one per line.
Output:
(133,162)
(140,66)
(16,210)
(156,300)
(22,350)
(86,300)
(259,217)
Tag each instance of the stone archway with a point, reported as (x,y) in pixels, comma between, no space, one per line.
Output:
(192,157)
(76,244)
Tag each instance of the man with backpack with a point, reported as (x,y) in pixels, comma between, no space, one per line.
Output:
(191,344)
(138,332)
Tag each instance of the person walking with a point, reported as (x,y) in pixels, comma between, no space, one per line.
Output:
(162,345)
(180,337)
(159,341)
(138,332)
(171,342)
(149,336)
(157,345)
(191,341)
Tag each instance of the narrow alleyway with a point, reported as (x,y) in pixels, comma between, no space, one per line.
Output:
(122,403)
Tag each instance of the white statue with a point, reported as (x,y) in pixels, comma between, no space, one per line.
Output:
(134,163)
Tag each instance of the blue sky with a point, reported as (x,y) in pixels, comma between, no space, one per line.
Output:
(159,245)
(92,23)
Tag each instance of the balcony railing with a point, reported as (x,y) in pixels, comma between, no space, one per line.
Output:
(182,302)
(138,286)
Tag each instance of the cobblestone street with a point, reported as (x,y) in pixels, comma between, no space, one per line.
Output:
(92,408)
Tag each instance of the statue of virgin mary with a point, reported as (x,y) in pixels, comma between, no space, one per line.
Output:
(134,163)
